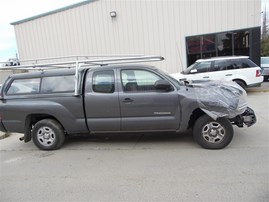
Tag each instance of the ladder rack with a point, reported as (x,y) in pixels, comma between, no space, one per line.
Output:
(80,61)
(38,64)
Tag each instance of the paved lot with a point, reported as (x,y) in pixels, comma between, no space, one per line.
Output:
(163,167)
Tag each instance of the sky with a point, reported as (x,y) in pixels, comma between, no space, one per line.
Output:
(15,10)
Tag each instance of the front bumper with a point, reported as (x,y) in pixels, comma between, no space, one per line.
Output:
(248,118)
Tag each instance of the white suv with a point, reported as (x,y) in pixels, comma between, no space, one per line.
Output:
(234,68)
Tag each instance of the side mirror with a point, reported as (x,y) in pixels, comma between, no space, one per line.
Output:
(162,85)
(193,71)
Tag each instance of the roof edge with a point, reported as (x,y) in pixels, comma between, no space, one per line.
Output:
(52,12)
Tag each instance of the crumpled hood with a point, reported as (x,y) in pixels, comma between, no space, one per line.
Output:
(220,98)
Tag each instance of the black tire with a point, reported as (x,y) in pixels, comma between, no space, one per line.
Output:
(48,134)
(211,134)
(241,83)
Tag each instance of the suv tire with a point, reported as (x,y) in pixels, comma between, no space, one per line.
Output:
(212,134)
(48,134)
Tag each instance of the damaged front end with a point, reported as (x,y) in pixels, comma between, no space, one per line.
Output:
(224,99)
(248,118)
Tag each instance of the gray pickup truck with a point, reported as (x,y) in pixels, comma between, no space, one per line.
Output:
(49,105)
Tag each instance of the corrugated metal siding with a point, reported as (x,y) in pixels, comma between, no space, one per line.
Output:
(141,27)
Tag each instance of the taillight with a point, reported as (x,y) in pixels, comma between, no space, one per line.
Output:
(258,73)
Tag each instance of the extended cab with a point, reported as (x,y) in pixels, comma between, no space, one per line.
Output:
(49,105)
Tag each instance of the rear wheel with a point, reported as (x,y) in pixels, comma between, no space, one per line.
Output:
(212,134)
(48,134)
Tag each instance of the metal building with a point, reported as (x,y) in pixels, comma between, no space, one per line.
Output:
(180,30)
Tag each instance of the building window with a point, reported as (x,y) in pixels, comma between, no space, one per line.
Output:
(241,43)
(224,44)
(208,45)
(229,43)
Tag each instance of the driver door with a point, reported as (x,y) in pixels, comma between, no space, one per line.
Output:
(143,107)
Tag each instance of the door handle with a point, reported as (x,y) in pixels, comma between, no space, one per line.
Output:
(127,100)
(228,75)
(206,77)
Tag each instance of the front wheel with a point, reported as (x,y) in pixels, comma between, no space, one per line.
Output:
(213,134)
(48,134)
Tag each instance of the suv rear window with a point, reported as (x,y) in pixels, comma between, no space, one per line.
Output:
(240,63)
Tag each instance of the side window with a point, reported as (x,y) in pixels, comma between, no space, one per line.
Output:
(103,81)
(58,84)
(250,63)
(242,63)
(24,86)
(203,67)
(219,65)
(232,64)
(235,64)
(138,80)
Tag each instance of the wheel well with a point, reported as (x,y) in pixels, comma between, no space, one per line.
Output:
(240,80)
(32,119)
(194,116)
